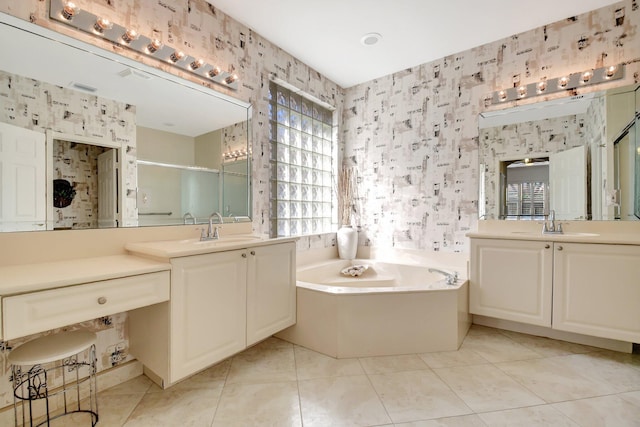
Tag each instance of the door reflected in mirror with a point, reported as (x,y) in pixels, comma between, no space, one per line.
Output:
(574,156)
(88,116)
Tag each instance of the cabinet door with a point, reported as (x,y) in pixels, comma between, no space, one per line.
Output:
(271,290)
(511,280)
(208,312)
(597,290)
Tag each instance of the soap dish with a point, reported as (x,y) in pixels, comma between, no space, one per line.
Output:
(354,270)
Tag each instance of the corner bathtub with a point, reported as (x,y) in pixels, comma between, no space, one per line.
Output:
(390,309)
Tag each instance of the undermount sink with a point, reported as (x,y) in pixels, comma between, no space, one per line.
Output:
(222,240)
(235,239)
(565,233)
(194,246)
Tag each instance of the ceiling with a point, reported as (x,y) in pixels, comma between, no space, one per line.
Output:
(326,34)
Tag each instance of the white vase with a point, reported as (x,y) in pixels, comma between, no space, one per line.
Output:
(347,239)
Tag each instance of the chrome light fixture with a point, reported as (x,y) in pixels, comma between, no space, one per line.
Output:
(68,13)
(559,84)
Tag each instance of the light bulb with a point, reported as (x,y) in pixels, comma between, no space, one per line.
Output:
(102,24)
(129,36)
(154,46)
(586,76)
(522,91)
(214,72)
(542,86)
(611,71)
(196,64)
(563,82)
(69,10)
(176,56)
(502,95)
(230,79)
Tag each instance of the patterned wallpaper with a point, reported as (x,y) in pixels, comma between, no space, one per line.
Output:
(413,135)
(234,137)
(78,164)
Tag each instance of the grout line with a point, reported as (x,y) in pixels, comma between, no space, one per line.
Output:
(378,396)
(224,384)
(295,367)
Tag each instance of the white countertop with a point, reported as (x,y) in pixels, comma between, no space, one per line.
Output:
(601,238)
(602,232)
(16,279)
(180,248)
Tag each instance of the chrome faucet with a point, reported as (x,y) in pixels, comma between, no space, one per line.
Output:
(550,227)
(187,217)
(450,278)
(212,232)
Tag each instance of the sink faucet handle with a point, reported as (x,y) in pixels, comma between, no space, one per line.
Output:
(203,232)
(216,232)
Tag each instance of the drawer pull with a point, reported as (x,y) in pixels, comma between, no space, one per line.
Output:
(547,246)
(102,300)
(253,252)
(559,248)
(244,255)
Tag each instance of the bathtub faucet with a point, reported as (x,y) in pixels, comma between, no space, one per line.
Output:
(450,278)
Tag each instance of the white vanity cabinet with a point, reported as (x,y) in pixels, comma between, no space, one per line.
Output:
(597,290)
(221,302)
(271,290)
(208,311)
(586,288)
(43,296)
(512,280)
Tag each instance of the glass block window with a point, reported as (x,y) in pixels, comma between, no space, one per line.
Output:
(302,162)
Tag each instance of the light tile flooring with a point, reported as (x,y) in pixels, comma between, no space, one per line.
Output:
(497,378)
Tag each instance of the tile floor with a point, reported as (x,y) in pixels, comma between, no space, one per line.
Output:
(497,378)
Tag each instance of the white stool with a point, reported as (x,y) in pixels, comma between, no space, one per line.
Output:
(39,365)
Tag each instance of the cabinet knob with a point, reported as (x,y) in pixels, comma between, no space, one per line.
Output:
(253,252)
(244,255)
(547,246)
(559,248)
(102,300)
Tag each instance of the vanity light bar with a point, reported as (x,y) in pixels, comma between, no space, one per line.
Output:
(235,155)
(559,84)
(67,12)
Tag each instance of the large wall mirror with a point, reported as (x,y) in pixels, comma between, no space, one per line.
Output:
(578,157)
(91,139)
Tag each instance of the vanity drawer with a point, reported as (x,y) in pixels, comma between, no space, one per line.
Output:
(40,311)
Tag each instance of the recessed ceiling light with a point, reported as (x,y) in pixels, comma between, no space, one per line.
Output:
(370,39)
(83,86)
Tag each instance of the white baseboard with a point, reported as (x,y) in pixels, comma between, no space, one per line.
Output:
(625,347)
